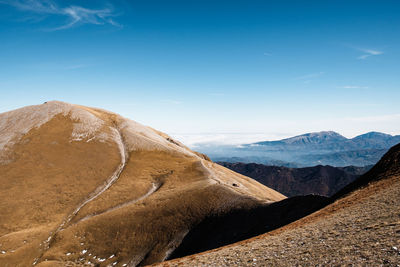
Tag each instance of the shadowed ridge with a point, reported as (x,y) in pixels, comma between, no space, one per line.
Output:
(360,225)
(386,167)
(225,229)
(321,180)
(240,224)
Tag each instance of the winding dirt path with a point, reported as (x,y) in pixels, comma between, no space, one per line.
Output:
(153,189)
(92,196)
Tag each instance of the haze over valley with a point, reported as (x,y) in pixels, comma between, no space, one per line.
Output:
(321,148)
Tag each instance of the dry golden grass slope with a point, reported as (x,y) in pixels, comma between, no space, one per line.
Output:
(84,186)
(360,228)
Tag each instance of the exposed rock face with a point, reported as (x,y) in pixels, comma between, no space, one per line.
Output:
(320,180)
(86,186)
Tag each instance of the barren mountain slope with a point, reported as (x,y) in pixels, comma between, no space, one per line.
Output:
(362,228)
(85,186)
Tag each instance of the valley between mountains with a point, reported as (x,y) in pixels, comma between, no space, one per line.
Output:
(360,227)
(84,186)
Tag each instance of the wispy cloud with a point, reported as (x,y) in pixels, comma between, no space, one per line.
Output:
(75,15)
(267,54)
(309,77)
(368,53)
(353,87)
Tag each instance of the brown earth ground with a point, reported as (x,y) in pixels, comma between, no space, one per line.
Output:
(49,177)
(46,180)
(361,229)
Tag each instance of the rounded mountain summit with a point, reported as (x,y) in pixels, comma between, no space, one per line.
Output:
(84,186)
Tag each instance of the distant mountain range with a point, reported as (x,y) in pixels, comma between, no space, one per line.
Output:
(320,148)
(320,180)
(333,141)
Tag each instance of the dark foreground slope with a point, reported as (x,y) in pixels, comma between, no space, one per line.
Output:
(217,231)
(320,180)
(360,227)
(387,167)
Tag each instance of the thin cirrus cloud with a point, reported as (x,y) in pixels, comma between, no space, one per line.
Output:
(75,15)
(353,87)
(308,78)
(369,53)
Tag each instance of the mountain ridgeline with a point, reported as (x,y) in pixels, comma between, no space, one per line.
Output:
(321,148)
(358,226)
(83,186)
(223,230)
(319,180)
(333,141)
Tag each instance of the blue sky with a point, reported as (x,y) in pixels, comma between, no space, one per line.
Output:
(209,70)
